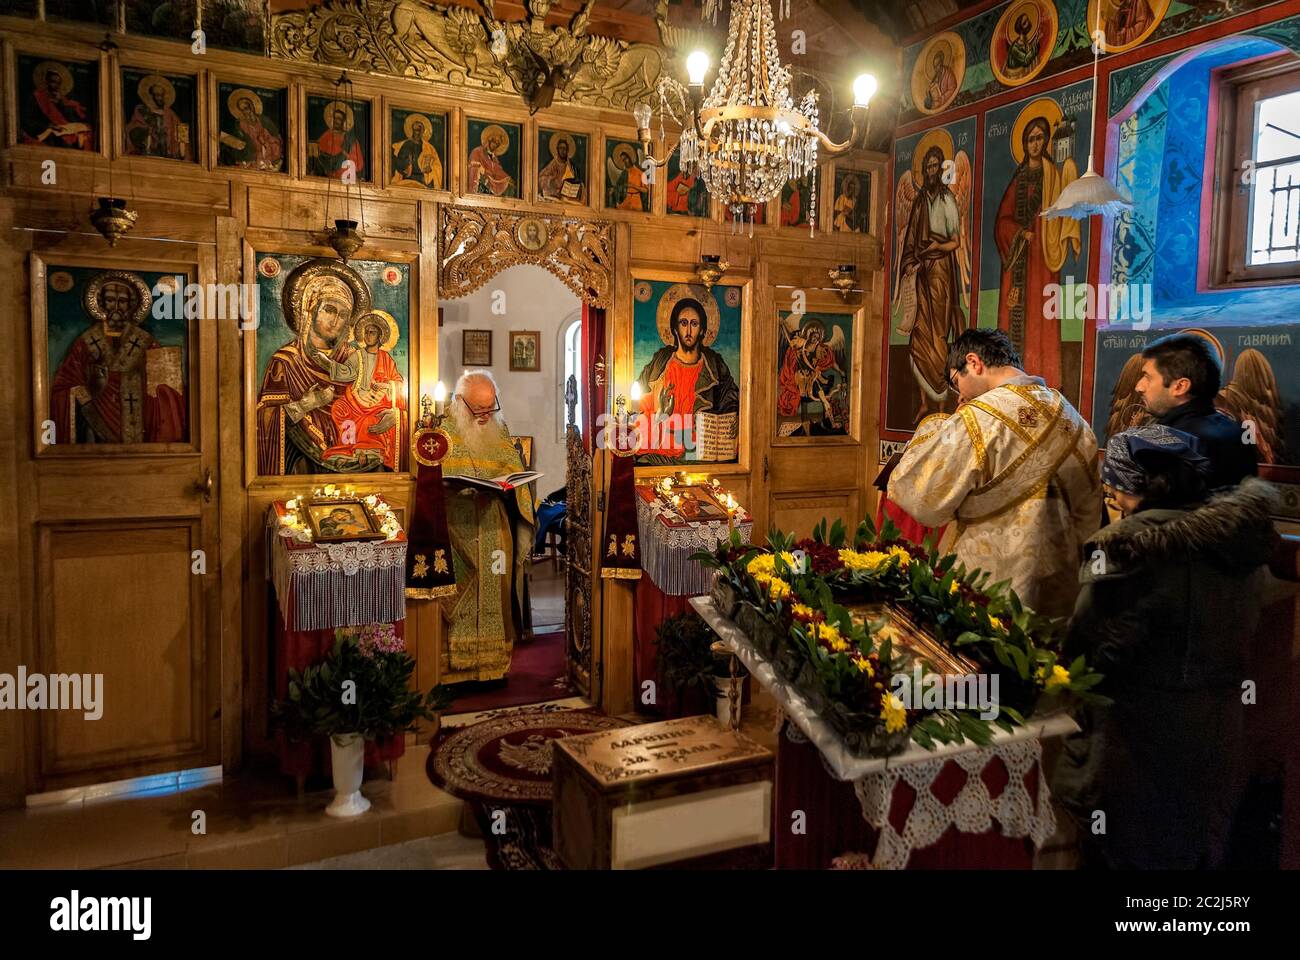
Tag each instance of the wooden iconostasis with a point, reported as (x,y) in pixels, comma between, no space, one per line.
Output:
(136,514)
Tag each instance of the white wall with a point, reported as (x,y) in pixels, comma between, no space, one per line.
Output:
(532,403)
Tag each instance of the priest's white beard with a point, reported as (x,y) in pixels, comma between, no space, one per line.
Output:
(479,440)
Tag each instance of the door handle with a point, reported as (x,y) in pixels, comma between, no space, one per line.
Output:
(204,485)
(765,468)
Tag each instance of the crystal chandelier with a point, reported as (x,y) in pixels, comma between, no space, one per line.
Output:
(747,138)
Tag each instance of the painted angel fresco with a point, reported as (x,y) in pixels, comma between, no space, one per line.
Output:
(933,268)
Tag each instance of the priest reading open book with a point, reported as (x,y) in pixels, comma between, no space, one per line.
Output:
(491,534)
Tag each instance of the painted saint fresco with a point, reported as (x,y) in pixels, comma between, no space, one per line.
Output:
(1023,41)
(931,275)
(686,194)
(333,365)
(1012,43)
(252,127)
(161,112)
(814,375)
(117,372)
(1125,23)
(627,187)
(686,349)
(58,103)
(1032,151)
(796,201)
(338,138)
(419,144)
(938,72)
(493,163)
(561,166)
(851,209)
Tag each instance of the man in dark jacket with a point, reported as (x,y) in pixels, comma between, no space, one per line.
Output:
(1180,379)
(1170,599)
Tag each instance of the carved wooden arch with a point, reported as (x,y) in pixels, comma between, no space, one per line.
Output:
(477,243)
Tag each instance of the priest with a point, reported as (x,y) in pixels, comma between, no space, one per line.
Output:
(1013,471)
(491,535)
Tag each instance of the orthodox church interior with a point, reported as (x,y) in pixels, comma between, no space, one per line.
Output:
(600,434)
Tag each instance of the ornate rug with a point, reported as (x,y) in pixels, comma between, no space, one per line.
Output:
(507,759)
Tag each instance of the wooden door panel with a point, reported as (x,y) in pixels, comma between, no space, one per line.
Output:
(798,514)
(122,600)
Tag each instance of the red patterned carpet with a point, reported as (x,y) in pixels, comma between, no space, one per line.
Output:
(501,767)
(507,759)
(537,674)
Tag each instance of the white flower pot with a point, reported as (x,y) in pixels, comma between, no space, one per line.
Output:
(722,705)
(347,757)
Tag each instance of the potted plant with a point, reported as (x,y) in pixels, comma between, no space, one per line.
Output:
(359,692)
(687,666)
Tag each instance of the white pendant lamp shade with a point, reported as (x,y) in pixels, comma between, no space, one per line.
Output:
(1090,194)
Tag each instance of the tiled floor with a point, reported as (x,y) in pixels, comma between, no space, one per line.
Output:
(249,823)
(546,593)
(448,851)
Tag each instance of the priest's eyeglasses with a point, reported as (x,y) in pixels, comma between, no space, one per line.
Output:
(481,411)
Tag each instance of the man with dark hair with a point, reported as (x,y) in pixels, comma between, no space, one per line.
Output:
(1013,472)
(1180,379)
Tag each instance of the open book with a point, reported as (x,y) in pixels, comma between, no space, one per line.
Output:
(499,484)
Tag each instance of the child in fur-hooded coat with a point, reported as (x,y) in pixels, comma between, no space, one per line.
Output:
(1170,600)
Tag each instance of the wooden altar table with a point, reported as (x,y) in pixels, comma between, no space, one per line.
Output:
(958,805)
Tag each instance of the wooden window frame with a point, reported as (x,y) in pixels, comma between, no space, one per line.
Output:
(1238,91)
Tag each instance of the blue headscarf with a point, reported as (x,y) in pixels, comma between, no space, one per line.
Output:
(1131,453)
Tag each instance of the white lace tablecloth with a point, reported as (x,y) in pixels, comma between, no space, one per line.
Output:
(974,810)
(321,586)
(666,550)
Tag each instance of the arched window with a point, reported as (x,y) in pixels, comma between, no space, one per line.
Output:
(571,348)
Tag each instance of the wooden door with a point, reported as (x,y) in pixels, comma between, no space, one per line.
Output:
(578,584)
(125,562)
(815,428)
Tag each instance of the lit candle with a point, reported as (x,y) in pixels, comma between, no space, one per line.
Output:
(440,398)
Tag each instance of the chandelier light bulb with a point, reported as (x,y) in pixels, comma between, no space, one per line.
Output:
(642,113)
(864,88)
(697,65)
(783,127)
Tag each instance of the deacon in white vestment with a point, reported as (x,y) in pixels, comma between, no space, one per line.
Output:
(1013,471)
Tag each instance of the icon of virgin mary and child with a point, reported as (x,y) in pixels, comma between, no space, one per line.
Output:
(333,399)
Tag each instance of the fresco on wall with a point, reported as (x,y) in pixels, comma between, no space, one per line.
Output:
(938,72)
(1023,40)
(930,282)
(1032,150)
(1159,163)
(987,40)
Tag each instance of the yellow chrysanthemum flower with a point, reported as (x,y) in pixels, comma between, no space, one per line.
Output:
(904,558)
(802,611)
(954,586)
(828,631)
(1059,677)
(778,589)
(892,710)
(998,624)
(864,666)
(869,560)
